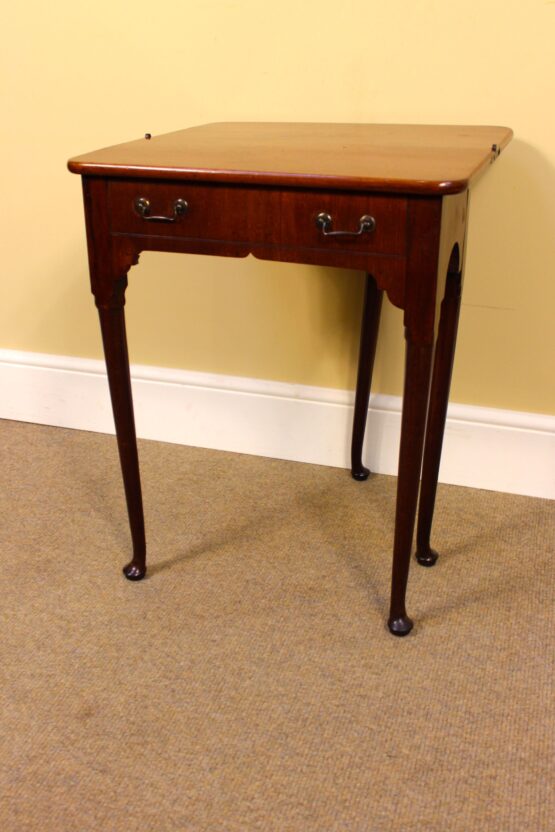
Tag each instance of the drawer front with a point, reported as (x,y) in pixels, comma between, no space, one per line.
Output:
(382,232)
(191,211)
(288,219)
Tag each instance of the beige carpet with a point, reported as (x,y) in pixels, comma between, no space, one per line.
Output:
(249,683)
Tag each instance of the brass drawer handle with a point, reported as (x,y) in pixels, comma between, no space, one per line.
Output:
(142,207)
(324,223)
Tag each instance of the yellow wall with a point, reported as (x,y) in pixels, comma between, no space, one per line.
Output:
(78,75)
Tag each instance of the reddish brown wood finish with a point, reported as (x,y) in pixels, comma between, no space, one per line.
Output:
(299,210)
(395,158)
(439,397)
(414,254)
(215,212)
(368,340)
(108,266)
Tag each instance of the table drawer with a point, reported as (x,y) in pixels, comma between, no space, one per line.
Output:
(373,224)
(190,211)
(200,212)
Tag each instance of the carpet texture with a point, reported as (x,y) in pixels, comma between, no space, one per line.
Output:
(249,683)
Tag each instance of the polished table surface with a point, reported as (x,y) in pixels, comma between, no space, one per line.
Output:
(386,157)
(390,200)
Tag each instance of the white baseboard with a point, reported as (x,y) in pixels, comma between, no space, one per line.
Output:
(500,450)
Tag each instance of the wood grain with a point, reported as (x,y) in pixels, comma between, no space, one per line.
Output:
(421,159)
(258,189)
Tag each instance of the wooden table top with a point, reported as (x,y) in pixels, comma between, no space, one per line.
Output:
(398,158)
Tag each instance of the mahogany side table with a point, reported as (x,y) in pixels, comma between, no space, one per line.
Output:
(390,200)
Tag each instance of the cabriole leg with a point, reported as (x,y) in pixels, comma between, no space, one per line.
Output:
(439,397)
(415,403)
(368,339)
(112,322)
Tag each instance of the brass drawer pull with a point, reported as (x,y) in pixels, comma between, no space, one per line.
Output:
(142,207)
(324,223)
